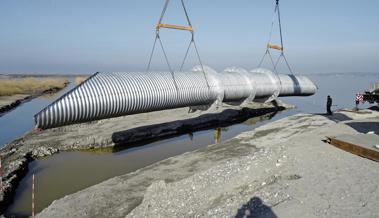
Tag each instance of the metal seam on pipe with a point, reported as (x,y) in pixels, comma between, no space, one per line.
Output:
(106,95)
(124,95)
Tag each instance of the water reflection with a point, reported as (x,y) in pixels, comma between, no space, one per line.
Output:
(69,172)
(217,135)
(150,133)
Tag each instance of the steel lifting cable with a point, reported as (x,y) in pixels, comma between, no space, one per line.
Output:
(158,38)
(281,40)
(269,42)
(277,47)
(192,42)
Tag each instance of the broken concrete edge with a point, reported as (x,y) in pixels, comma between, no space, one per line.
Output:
(11,179)
(16,169)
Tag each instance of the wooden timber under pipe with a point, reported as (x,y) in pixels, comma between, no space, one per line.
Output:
(354,149)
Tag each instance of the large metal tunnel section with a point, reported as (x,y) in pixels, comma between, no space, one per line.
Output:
(106,95)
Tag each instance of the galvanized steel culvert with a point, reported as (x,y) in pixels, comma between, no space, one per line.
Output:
(106,95)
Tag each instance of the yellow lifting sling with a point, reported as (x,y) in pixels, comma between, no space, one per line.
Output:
(272,46)
(170,26)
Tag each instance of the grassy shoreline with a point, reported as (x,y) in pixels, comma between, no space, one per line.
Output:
(16,90)
(30,85)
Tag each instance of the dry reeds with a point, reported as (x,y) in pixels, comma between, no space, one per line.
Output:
(80,79)
(30,85)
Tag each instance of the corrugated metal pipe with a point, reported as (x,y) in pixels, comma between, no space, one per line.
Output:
(106,95)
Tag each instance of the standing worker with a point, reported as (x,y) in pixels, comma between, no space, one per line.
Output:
(329,102)
(358,99)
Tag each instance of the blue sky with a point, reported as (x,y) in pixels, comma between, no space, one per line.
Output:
(73,36)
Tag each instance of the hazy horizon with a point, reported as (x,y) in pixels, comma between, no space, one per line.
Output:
(83,37)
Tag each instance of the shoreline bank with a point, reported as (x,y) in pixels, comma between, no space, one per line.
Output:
(283,167)
(97,135)
(9,103)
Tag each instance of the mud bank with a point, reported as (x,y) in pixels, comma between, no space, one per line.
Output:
(282,169)
(8,103)
(114,133)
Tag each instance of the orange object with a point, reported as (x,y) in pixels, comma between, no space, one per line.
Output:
(177,27)
(35,129)
(277,47)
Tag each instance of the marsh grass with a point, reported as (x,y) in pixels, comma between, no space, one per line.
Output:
(30,85)
(80,79)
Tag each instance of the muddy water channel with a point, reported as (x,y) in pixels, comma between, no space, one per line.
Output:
(69,172)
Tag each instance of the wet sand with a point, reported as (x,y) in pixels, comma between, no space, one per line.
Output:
(282,169)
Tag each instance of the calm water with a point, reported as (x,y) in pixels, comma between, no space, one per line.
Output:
(69,172)
(341,87)
(20,120)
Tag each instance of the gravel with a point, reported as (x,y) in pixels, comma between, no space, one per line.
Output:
(282,169)
(16,155)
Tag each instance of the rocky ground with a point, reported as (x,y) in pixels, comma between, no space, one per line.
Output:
(114,132)
(282,169)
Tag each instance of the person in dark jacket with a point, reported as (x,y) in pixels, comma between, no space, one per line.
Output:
(329,102)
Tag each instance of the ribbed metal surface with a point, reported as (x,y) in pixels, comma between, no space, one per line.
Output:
(241,84)
(106,95)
